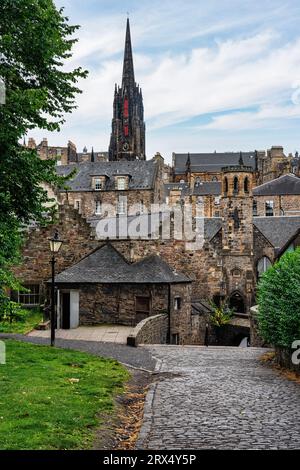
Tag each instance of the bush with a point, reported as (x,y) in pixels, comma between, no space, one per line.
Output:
(221,315)
(11,312)
(279,302)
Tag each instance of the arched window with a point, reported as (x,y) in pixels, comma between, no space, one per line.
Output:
(214,178)
(197,181)
(225,185)
(235,185)
(263,264)
(246,185)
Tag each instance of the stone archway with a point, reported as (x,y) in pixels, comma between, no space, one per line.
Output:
(237,303)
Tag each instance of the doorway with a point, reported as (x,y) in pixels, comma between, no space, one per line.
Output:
(237,303)
(65,304)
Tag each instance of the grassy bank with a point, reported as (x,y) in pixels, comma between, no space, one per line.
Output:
(52,398)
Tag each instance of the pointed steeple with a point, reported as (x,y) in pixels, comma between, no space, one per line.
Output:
(241,161)
(128,70)
(92,155)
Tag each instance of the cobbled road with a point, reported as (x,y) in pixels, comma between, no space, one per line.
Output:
(219,398)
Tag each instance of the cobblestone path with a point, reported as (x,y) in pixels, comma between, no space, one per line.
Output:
(219,398)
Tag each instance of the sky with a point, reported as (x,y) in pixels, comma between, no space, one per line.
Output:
(216,75)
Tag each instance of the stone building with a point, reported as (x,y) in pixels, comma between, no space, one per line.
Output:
(244,215)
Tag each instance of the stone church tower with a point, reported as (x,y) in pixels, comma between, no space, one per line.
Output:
(127,140)
(237,235)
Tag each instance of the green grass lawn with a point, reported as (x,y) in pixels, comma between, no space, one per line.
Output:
(53,398)
(32,320)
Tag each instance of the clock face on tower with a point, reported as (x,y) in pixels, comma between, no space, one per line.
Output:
(125,146)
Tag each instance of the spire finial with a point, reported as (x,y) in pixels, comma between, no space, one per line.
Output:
(128,70)
(92,155)
(241,161)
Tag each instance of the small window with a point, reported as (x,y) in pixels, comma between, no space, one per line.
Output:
(263,264)
(254,208)
(214,178)
(122,206)
(121,184)
(246,185)
(217,200)
(236,272)
(77,205)
(98,184)
(177,303)
(98,207)
(31,297)
(141,207)
(225,185)
(235,185)
(269,208)
(198,181)
(142,304)
(58,152)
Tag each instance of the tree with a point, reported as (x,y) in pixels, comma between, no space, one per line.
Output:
(35,42)
(279,301)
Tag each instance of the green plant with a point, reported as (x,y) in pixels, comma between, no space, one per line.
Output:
(279,301)
(221,314)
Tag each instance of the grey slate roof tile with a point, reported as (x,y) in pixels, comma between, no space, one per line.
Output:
(141,174)
(285,184)
(107,265)
(277,230)
(211,162)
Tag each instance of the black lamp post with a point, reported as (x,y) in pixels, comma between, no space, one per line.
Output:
(55,244)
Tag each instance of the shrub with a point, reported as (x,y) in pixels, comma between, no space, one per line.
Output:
(221,315)
(279,301)
(11,312)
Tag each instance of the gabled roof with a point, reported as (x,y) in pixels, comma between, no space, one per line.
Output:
(285,184)
(277,230)
(208,188)
(142,174)
(107,265)
(211,162)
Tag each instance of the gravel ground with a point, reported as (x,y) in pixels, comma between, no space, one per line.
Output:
(136,357)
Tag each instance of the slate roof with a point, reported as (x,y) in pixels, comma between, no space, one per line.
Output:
(277,230)
(208,188)
(80,155)
(141,174)
(183,187)
(107,265)
(211,162)
(200,307)
(285,184)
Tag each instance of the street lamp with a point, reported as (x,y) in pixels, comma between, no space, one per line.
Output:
(55,244)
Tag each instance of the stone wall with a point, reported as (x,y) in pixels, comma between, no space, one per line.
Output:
(152,330)
(116,303)
(283,205)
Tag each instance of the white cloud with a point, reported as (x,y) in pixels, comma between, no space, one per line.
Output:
(225,73)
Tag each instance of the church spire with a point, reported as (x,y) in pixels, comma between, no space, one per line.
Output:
(128,69)
(127,140)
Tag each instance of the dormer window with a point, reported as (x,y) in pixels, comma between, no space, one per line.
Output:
(98,184)
(121,183)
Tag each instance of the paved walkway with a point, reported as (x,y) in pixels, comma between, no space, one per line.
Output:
(219,398)
(104,333)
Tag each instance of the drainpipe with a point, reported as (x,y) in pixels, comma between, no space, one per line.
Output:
(169,315)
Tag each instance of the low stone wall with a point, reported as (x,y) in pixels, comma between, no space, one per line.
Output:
(255,339)
(152,330)
(284,358)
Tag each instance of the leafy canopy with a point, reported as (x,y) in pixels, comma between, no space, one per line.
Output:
(279,301)
(35,42)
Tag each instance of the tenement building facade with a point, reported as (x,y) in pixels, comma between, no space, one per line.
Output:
(142,238)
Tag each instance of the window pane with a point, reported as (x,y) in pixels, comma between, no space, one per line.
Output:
(142,304)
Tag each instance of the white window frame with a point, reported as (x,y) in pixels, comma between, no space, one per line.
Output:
(35,296)
(269,205)
(98,184)
(121,206)
(121,183)
(98,207)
